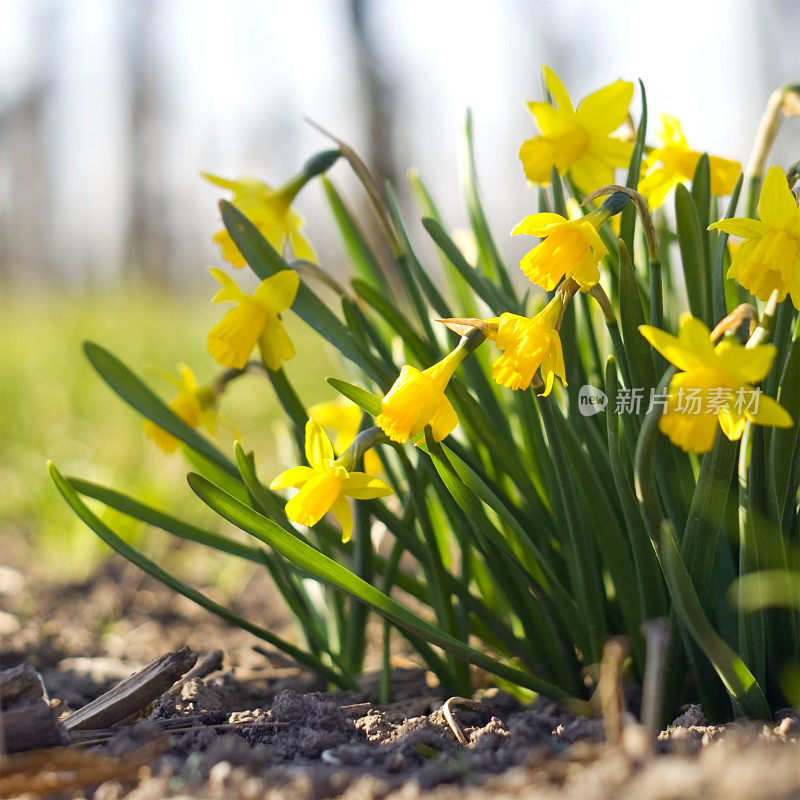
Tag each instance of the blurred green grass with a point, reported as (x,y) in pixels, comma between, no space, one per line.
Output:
(53,406)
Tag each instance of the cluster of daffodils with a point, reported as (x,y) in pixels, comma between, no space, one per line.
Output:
(584,145)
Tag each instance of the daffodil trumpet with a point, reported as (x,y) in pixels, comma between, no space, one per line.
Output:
(570,248)
(417,398)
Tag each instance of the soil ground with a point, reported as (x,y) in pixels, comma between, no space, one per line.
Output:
(261,727)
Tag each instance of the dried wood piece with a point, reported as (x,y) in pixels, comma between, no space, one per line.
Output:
(211,662)
(30,726)
(56,771)
(22,682)
(134,693)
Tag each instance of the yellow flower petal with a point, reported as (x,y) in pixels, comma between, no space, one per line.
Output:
(361,486)
(732,424)
(691,432)
(344,516)
(302,247)
(292,478)
(770,412)
(671,347)
(606,109)
(444,420)
(232,340)
(275,344)
(740,226)
(557,90)
(545,115)
(319,452)
(230,291)
(277,292)
(743,364)
(776,204)
(538,224)
(538,157)
(314,500)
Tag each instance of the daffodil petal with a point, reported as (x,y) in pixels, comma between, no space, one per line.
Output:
(275,344)
(770,412)
(361,486)
(732,424)
(538,224)
(344,516)
(231,341)
(319,452)
(591,173)
(314,500)
(695,337)
(302,247)
(606,109)
(546,116)
(556,88)
(670,347)
(740,226)
(292,478)
(230,290)
(444,421)
(776,204)
(277,292)
(745,365)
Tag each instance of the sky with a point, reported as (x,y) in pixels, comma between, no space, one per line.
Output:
(231,82)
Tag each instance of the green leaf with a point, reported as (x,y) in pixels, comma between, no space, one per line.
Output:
(628,216)
(707,512)
(480,285)
(648,573)
(358,250)
(141,398)
(692,247)
(739,682)
(399,324)
(637,351)
(329,571)
(366,400)
(463,297)
(159,519)
(718,265)
(148,566)
(488,254)
(782,471)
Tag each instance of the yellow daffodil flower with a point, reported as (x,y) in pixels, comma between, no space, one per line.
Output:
(715,385)
(528,345)
(255,320)
(674,163)
(769,258)
(194,405)
(578,141)
(417,399)
(343,419)
(571,247)
(325,485)
(270,211)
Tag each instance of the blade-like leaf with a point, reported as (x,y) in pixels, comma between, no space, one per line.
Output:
(122,380)
(329,571)
(148,566)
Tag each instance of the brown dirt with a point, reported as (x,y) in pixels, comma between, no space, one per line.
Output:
(276,735)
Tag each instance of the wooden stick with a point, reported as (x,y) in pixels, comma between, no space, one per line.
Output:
(134,693)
